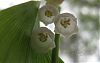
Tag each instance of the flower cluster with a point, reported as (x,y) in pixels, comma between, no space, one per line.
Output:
(65,24)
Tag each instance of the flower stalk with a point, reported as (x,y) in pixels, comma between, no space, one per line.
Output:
(55,51)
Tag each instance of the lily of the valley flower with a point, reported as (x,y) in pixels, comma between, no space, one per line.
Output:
(47,13)
(65,24)
(42,40)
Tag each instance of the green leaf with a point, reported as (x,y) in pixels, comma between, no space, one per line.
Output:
(16,25)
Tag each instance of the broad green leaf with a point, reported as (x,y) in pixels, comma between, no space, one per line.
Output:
(16,25)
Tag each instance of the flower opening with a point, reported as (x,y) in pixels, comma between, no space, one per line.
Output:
(65,23)
(48,13)
(43,37)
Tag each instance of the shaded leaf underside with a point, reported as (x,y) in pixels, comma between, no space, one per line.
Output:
(16,25)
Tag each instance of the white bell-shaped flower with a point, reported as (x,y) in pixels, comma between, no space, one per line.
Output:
(65,24)
(47,13)
(42,40)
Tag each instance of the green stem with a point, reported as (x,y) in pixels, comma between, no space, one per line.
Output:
(55,52)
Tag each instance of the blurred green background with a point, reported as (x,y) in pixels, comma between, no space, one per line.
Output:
(85,46)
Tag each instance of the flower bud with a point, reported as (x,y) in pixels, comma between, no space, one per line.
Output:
(42,40)
(54,2)
(47,13)
(65,24)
